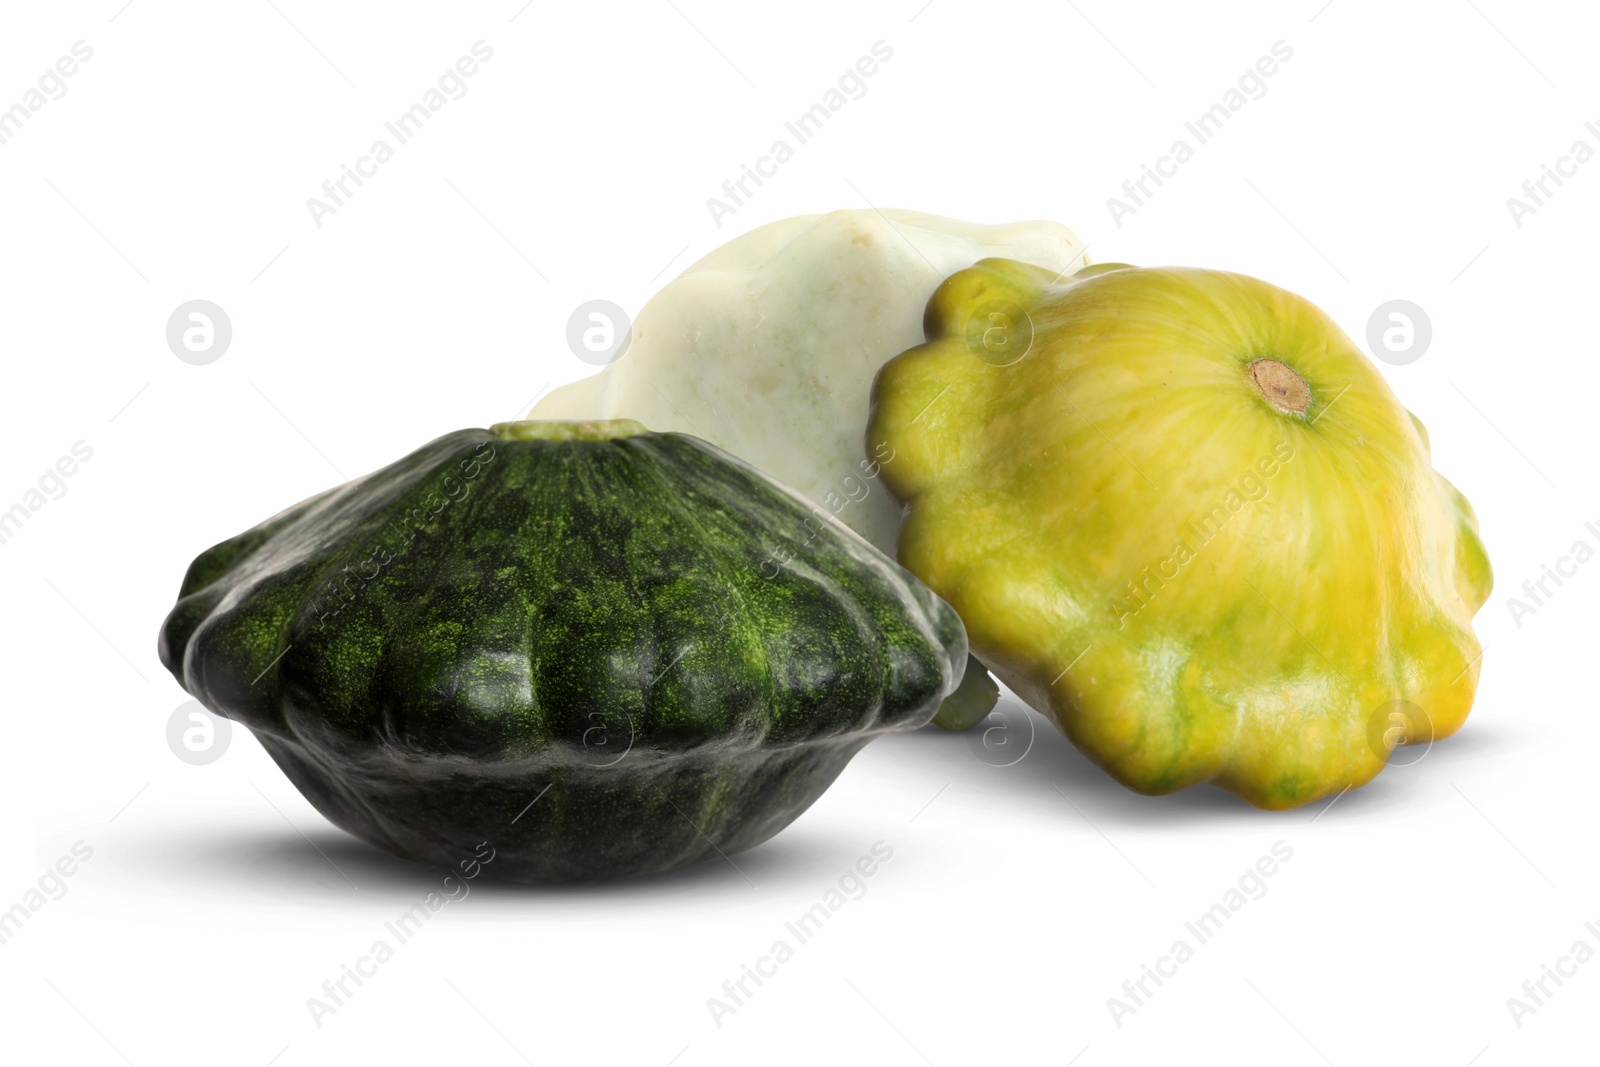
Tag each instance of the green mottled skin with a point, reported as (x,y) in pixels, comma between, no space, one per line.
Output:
(601,616)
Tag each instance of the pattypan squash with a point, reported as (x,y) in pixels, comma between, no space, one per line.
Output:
(1185,518)
(598,650)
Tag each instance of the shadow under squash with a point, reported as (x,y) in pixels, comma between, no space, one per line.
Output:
(326,862)
(1052,775)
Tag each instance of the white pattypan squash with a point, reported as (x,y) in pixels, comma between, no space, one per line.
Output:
(768,346)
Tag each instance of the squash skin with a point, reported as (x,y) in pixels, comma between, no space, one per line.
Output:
(584,652)
(1052,497)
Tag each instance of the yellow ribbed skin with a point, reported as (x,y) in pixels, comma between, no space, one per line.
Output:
(1192,581)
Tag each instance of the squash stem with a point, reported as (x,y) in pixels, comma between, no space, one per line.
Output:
(553,430)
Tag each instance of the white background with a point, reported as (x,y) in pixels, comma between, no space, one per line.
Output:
(177,166)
